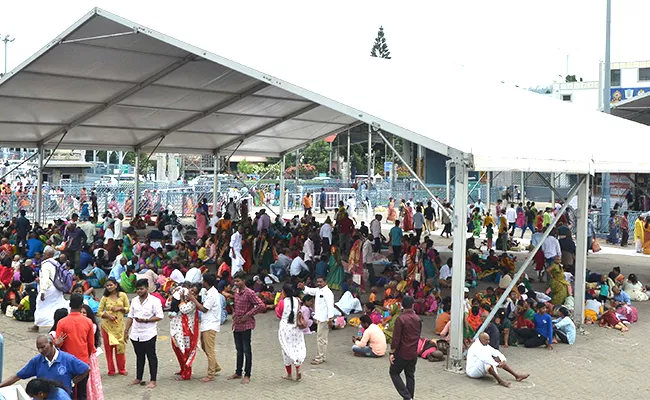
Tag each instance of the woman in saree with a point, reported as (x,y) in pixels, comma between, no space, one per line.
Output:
(113,206)
(184,330)
(646,236)
(413,267)
(128,206)
(94,389)
(478,224)
(407,223)
(635,289)
(355,262)
(265,253)
(336,276)
(472,323)
(428,264)
(613,229)
(261,196)
(201,222)
(394,311)
(392,213)
(127,244)
(247,249)
(521,217)
(423,299)
(391,294)
(559,284)
(112,308)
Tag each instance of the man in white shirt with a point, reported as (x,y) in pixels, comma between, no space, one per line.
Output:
(210,323)
(445,274)
(308,251)
(511,216)
(177,234)
(298,267)
(351,205)
(213,223)
(118,234)
(483,359)
(235,251)
(326,235)
(193,275)
(142,329)
(49,298)
(323,315)
(89,229)
(375,231)
(551,249)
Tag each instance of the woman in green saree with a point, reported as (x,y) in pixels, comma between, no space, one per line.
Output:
(336,276)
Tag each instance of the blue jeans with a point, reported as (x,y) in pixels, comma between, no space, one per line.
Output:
(366,351)
(278,270)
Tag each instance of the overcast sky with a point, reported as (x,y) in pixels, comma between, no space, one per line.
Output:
(520,42)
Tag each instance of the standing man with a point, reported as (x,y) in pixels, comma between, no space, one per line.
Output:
(49,298)
(118,234)
(247,304)
(76,336)
(307,203)
(210,323)
(511,216)
(366,251)
(235,250)
(93,204)
(323,315)
(404,349)
(323,198)
(142,329)
(75,238)
(326,235)
(375,231)
(625,229)
(51,364)
(418,222)
(429,217)
(396,234)
(22,228)
(346,227)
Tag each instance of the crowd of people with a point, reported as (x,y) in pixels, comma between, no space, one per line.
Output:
(236,264)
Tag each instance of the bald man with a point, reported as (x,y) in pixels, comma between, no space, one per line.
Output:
(483,359)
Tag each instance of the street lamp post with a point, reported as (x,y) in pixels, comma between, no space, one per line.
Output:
(7,39)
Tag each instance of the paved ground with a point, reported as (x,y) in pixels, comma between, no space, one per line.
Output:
(573,369)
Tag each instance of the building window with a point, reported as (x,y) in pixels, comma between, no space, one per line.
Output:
(616,77)
(566,97)
(644,74)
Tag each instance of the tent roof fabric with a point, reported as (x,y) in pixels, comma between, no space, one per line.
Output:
(107,82)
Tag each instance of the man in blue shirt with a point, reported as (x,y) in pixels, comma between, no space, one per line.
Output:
(52,364)
(396,234)
(34,245)
(322,199)
(621,296)
(543,332)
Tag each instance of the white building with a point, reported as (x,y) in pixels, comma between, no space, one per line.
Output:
(629,79)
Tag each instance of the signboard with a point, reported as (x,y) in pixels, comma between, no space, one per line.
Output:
(620,94)
(322,174)
(388,165)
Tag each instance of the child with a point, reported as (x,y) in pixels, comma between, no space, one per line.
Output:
(373,296)
(610,320)
(490,233)
(604,289)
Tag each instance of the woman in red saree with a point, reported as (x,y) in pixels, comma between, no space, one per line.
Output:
(407,224)
(184,331)
(355,263)
(413,271)
(392,213)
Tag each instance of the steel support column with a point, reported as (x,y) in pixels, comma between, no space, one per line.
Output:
(348,171)
(215,184)
(455,358)
(136,191)
(370,169)
(448,181)
(488,197)
(282,199)
(581,251)
(552,189)
(39,187)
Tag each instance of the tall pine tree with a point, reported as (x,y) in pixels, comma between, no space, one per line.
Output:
(380,48)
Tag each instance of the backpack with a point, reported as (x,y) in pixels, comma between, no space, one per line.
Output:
(63,278)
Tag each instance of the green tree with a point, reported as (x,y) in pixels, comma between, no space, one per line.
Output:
(146,166)
(380,48)
(245,167)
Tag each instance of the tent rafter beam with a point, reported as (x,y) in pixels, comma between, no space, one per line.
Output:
(208,111)
(118,98)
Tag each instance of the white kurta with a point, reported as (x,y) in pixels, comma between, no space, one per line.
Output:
(480,358)
(44,312)
(235,253)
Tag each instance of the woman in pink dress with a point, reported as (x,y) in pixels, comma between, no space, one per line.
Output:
(392,213)
(94,389)
(408,218)
(201,222)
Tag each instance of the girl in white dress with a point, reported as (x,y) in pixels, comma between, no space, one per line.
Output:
(290,336)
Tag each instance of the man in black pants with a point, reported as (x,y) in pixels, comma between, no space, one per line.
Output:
(142,329)
(404,349)
(247,304)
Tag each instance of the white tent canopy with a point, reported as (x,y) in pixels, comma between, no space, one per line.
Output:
(111,83)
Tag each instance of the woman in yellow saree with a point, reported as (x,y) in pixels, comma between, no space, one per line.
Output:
(646,236)
(559,284)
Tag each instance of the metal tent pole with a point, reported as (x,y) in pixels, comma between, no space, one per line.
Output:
(488,196)
(297,169)
(393,168)
(528,261)
(215,185)
(136,194)
(553,187)
(448,181)
(348,172)
(39,183)
(581,251)
(370,174)
(455,358)
(282,199)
